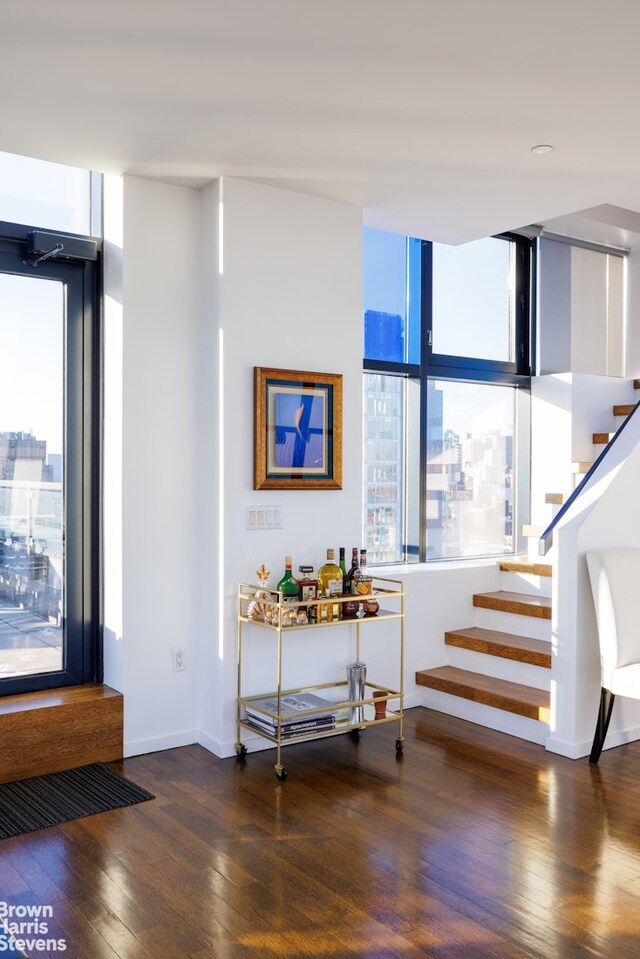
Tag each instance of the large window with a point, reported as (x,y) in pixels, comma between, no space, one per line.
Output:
(446,354)
(49,439)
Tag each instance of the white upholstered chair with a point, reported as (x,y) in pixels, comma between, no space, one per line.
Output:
(615,584)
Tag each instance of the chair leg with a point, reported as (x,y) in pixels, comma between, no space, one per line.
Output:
(602,724)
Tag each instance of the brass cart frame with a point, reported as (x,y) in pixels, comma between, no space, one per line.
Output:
(383,590)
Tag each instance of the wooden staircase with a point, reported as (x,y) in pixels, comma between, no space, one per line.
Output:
(482,685)
(520,685)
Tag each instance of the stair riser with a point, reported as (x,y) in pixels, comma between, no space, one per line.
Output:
(529,729)
(499,667)
(510,623)
(525,583)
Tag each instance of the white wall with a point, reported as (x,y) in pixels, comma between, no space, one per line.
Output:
(161,298)
(289,296)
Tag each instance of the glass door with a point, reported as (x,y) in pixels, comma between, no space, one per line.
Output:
(32,521)
(48,481)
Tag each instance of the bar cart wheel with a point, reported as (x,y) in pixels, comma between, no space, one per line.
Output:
(281,772)
(241,750)
(399,744)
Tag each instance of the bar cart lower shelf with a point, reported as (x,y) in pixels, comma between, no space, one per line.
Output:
(283,716)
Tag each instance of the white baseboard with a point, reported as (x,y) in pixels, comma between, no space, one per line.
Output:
(140,746)
(581,749)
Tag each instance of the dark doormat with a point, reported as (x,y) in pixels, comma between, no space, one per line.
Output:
(60,797)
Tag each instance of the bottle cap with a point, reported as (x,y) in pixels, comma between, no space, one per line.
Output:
(330,553)
(287,561)
(305,569)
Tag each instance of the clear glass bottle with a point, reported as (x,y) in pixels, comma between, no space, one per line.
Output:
(362,576)
(330,585)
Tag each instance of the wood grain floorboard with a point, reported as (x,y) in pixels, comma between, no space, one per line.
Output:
(470,845)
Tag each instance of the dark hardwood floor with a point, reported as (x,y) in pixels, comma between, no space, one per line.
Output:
(472,844)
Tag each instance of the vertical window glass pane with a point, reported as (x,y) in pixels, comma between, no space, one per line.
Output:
(384,425)
(473,299)
(391,297)
(49,195)
(470,464)
(31,472)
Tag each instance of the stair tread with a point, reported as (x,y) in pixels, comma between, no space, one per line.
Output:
(581,467)
(521,603)
(554,499)
(602,438)
(523,649)
(525,566)
(499,693)
(624,409)
(636,384)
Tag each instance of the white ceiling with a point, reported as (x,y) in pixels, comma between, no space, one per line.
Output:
(423,112)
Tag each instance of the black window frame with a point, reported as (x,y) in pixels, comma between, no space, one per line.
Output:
(465,369)
(79,270)
(435,362)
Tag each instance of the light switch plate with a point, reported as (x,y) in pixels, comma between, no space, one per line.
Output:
(263,517)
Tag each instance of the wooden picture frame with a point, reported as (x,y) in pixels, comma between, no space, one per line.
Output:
(297,429)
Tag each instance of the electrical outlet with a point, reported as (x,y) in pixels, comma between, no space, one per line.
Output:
(178,658)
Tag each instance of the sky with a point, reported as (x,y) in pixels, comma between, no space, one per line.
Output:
(32,337)
(31,308)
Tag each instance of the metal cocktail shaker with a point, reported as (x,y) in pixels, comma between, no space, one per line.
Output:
(356,677)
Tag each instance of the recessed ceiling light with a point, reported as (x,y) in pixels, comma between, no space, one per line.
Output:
(542,148)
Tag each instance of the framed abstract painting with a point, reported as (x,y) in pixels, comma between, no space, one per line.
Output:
(297,430)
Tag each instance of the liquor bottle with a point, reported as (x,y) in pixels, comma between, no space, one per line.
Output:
(288,586)
(330,585)
(350,608)
(343,569)
(308,587)
(362,576)
(354,566)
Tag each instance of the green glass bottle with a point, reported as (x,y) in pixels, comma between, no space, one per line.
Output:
(288,586)
(342,566)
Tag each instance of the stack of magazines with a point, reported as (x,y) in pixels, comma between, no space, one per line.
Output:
(292,724)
